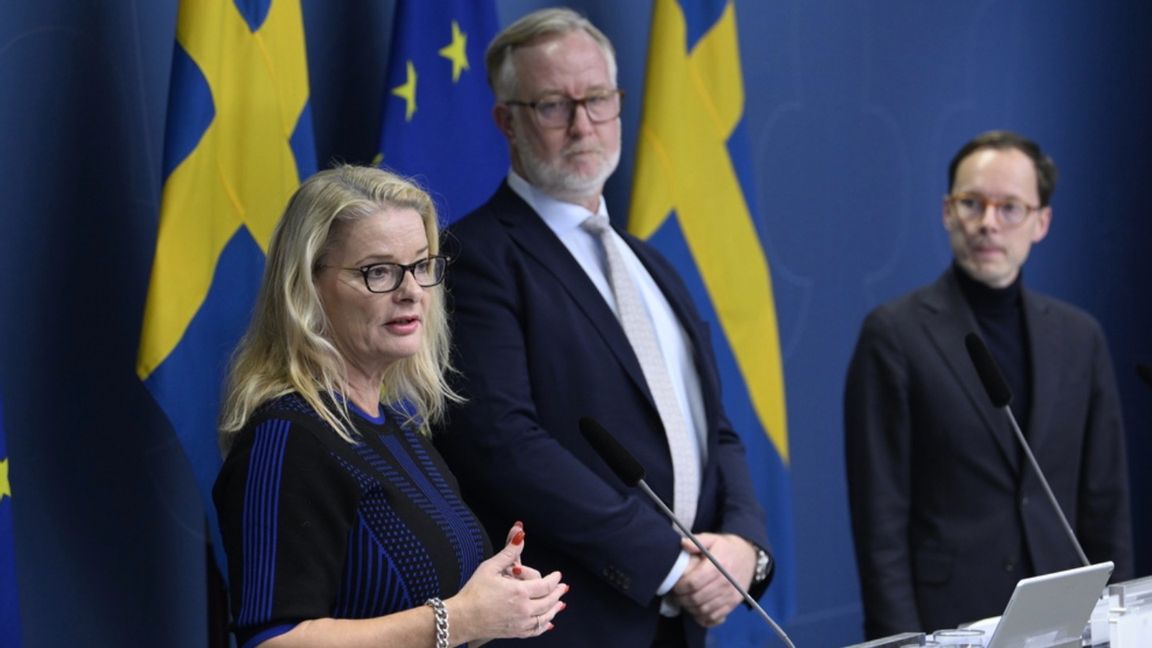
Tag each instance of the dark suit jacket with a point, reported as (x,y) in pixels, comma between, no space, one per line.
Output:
(538,348)
(946,515)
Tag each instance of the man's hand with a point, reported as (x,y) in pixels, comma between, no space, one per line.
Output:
(702,590)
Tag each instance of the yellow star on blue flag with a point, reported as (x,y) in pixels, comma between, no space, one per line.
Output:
(456,51)
(407,91)
(5,486)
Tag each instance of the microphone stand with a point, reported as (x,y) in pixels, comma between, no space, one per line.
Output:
(629,471)
(708,554)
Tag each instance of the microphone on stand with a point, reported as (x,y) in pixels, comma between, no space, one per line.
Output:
(1001,396)
(629,470)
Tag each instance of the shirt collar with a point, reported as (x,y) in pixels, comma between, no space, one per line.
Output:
(559,215)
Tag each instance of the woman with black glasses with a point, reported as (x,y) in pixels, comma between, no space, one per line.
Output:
(342,525)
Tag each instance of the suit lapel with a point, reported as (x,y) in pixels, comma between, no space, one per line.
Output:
(531,234)
(950,320)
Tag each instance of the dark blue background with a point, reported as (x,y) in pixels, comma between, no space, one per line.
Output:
(853,111)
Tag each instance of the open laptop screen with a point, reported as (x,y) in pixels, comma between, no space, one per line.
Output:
(1052,609)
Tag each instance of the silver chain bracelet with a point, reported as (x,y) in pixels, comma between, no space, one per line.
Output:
(441,613)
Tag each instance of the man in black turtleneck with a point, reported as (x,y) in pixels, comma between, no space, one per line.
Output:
(946,515)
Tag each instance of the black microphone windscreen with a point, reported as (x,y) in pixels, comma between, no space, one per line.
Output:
(989,373)
(615,455)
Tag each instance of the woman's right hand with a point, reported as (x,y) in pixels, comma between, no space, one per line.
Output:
(504,599)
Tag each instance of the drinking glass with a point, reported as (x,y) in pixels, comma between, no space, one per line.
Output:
(960,638)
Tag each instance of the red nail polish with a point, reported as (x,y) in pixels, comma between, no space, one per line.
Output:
(516,570)
(518,538)
(550,626)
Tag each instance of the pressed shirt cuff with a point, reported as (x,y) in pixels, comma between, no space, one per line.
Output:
(674,574)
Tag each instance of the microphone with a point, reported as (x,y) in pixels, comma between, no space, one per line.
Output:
(1001,395)
(632,473)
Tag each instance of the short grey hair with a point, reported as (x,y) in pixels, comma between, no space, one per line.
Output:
(527,30)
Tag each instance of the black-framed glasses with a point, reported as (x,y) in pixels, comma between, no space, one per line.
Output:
(973,206)
(386,277)
(557,110)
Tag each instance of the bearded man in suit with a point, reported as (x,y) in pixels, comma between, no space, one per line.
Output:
(542,290)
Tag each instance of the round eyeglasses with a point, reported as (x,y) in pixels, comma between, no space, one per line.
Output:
(557,110)
(386,277)
(972,206)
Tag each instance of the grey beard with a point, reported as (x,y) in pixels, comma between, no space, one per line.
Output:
(556,182)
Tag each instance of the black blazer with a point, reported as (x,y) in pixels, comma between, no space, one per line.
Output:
(537,348)
(945,514)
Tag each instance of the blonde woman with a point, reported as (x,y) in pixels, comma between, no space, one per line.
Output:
(342,525)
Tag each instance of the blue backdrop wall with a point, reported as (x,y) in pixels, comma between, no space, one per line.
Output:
(854,109)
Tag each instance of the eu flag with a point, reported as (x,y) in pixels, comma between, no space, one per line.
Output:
(238,142)
(691,198)
(9,599)
(437,125)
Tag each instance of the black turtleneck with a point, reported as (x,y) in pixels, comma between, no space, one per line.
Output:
(1000,315)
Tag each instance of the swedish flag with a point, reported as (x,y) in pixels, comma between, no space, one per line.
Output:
(691,199)
(9,594)
(238,141)
(436,117)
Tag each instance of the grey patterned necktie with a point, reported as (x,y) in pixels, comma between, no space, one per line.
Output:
(642,336)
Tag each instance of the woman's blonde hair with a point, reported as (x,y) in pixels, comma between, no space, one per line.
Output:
(289,346)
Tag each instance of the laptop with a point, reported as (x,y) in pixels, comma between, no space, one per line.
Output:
(1050,611)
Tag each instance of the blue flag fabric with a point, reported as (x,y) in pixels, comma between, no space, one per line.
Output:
(691,199)
(436,124)
(9,594)
(238,142)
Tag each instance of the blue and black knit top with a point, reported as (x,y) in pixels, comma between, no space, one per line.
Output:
(316,527)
